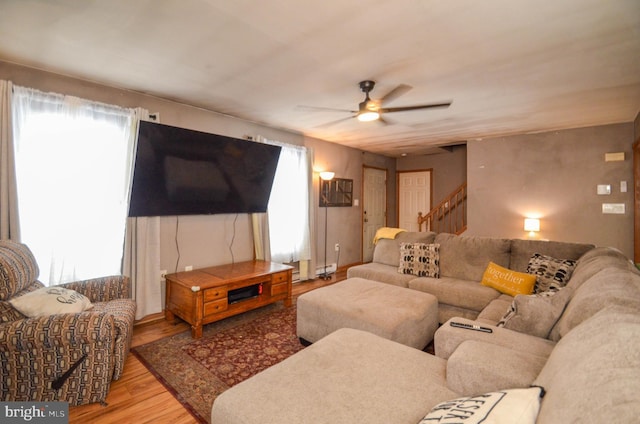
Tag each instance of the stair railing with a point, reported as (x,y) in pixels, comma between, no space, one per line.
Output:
(449,216)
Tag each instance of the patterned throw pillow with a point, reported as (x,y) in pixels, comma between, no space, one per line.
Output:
(50,301)
(503,407)
(551,273)
(420,259)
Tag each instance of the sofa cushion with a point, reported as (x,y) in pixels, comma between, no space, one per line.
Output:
(448,338)
(597,259)
(467,257)
(535,314)
(420,259)
(453,291)
(379,272)
(522,250)
(350,376)
(50,301)
(18,268)
(495,310)
(502,407)
(387,251)
(551,273)
(610,286)
(478,366)
(593,374)
(507,281)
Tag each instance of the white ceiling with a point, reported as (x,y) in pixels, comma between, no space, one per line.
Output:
(509,66)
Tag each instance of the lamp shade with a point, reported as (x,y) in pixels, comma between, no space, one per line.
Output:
(531,224)
(327,175)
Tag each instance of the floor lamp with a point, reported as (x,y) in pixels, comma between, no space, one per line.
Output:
(325,177)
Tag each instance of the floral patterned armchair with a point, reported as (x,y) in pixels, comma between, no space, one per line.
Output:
(69,357)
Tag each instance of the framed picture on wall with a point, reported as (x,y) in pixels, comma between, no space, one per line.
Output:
(336,192)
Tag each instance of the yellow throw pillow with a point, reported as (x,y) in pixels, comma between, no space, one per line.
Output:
(507,281)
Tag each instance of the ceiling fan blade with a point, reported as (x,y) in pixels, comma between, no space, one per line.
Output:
(337,121)
(323,109)
(395,93)
(384,121)
(415,107)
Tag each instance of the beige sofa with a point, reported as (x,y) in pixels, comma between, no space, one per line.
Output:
(463,260)
(588,364)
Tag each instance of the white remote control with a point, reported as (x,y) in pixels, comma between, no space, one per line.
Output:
(471,327)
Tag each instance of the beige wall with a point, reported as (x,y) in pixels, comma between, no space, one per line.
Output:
(553,175)
(207,240)
(449,170)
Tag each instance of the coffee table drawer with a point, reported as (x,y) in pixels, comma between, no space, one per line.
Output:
(215,293)
(217,306)
(280,277)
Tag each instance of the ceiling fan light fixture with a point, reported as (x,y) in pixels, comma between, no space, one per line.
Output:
(368,116)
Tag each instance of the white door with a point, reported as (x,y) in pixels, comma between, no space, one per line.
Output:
(414,195)
(374,208)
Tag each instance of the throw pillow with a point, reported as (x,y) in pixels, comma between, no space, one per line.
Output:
(551,273)
(50,301)
(536,314)
(506,406)
(507,281)
(420,259)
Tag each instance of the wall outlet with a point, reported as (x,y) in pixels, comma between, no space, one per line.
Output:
(188,268)
(163,274)
(337,247)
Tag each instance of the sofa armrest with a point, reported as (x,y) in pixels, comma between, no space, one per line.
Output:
(102,289)
(67,357)
(480,367)
(56,331)
(448,338)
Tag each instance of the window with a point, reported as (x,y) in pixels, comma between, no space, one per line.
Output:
(73,167)
(288,208)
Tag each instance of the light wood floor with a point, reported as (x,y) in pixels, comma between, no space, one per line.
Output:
(138,397)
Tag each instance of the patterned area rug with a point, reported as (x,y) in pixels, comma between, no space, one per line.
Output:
(196,371)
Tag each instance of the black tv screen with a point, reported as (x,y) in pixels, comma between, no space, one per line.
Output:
(186,172)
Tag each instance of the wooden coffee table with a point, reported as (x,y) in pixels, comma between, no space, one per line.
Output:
(210,294)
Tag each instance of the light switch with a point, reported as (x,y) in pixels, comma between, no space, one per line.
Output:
(604,189)
(623,186)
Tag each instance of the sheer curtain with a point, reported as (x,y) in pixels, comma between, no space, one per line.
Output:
(73,170)
(284,234)
(142,254)
(9,226)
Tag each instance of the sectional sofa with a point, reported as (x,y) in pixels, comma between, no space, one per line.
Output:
(567,357)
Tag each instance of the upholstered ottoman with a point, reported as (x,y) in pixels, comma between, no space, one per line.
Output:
(403,315)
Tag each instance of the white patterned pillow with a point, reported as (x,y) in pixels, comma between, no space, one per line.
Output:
(551,274)
(504,407)
(50,301)
(420,259)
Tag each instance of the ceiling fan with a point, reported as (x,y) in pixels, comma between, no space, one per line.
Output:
(372,110)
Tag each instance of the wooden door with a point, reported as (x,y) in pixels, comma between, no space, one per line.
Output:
(414,195)
(374,207)
(636,202)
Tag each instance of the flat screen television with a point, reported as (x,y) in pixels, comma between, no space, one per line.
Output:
(185,172)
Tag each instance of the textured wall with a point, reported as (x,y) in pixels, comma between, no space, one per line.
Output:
(449,170)
(553,175)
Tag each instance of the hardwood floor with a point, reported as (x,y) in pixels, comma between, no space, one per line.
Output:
(138,397)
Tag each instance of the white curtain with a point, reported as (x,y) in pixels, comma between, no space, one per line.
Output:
(284,233)
(142,253)
(9,225)
(72,162)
